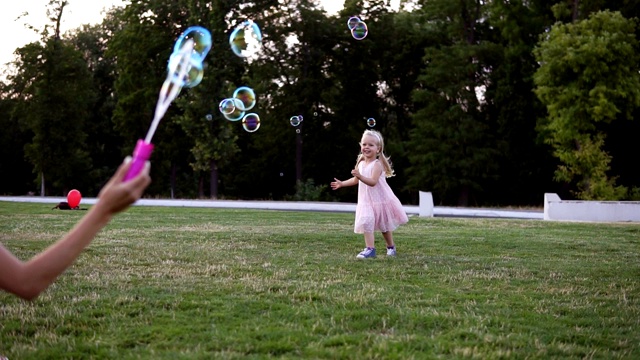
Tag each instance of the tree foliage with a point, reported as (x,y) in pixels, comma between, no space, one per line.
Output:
(54,94)
(450,85)
(588,78)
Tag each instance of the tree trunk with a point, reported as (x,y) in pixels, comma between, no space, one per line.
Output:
(299,153)
(463,196)
(42,187)
(213,180)
(200,187)
(173,179)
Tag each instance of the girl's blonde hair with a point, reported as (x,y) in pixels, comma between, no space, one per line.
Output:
(384,159)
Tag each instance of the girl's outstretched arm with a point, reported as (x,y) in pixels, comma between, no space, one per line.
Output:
(29,279)
(337,184)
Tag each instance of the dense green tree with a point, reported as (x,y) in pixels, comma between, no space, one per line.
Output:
(54,93)
(290,78)
(141,49)
(525,163)
(588,79)
(17,177)
(452,149)
(104,143)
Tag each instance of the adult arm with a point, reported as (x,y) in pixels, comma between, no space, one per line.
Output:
(29,279)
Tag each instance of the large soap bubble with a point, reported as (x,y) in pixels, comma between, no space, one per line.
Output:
(201,41)
(246,39)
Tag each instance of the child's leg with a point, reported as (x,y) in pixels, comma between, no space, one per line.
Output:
(369,239)
(388,238)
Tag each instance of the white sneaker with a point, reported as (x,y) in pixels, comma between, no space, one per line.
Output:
(391,252)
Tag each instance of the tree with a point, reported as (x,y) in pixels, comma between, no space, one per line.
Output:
(588,78)
(141,49)
(451,149)
(104,143)
(213,136)
(54,91)
(525,163)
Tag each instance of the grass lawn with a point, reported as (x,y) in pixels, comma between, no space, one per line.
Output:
(185,283)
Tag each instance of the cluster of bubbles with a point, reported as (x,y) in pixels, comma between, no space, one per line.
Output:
(246,39)
(357,27)
(237,106)
(295,121)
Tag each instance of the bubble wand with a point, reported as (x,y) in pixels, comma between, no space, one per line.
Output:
(184,62)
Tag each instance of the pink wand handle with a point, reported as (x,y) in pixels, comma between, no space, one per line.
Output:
(141,154)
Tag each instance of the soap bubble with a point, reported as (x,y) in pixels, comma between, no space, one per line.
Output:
(295,120)
(237,112)
(371,122)
(351,23)
(201,38)
(360,31)
(251,122)
(227,106)
(247,98)
(209,117)
(194,72)
(246,39)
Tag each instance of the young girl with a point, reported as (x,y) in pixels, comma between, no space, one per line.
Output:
(378,207)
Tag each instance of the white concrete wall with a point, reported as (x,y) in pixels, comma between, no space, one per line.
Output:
(425,208)
(595,211)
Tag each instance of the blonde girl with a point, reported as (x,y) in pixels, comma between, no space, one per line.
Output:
(378,208)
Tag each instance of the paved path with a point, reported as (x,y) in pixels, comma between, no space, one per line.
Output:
(297,206)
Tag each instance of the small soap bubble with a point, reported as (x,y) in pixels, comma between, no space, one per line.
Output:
(360,31)
(251,122)
(297,131)
(371,122)
(295,120)
(351,23)
(201,42)
(237,113)
(315,114)
(227,106)
(247,98)
(246,39)
(209,117)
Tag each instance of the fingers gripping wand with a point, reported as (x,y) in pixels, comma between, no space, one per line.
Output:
(169,91)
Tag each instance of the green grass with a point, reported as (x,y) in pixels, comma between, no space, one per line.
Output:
(184,283)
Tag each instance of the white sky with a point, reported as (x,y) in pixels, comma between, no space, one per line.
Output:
(76,13)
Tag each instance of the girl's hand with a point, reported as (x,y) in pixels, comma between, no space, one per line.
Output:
(355,173)
(337,184)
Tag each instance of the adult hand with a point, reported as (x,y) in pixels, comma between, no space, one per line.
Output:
(117,195)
